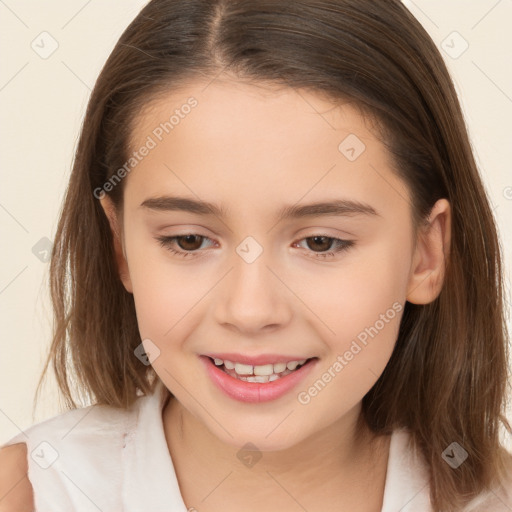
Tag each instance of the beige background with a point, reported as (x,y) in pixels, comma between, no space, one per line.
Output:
(42,102)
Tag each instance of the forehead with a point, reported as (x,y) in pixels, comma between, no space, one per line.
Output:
(230,138)
(221,107)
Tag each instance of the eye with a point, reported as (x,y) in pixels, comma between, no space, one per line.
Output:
(324,243)
(188,243)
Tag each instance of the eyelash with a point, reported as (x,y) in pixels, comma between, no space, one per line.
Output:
(167,242)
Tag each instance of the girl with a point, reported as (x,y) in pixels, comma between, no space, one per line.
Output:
(276,276)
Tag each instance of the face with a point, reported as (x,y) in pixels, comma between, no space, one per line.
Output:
(247,283)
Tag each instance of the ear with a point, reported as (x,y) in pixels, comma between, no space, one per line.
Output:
(431,255)
(114,221)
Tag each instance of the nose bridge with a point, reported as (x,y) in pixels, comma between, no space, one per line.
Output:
(254,297)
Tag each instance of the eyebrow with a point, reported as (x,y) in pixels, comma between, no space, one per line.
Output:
(336,207)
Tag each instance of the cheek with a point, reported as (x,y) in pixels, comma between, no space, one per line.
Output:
(370,283)
(164,301)
(364,313)
(165,291)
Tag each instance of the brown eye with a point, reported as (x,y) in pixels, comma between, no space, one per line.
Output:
(185,246)
(320,243)
(325,247)
(189,242)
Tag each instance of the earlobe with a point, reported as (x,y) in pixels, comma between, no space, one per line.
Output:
(431,256)
(113,219)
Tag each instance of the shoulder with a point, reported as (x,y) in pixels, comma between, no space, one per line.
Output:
(16,493)
(503,493)
(86,431)
(83,445)
(77,425)
(499,498)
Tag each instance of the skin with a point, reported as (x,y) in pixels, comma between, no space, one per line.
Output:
(254,149)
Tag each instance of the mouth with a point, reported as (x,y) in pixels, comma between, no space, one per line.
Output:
(259,373)
(255,384)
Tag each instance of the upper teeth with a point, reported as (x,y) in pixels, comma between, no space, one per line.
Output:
(265,369)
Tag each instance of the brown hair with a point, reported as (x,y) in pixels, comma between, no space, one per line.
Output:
(446,380)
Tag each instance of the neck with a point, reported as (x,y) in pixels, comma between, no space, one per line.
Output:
(343,460)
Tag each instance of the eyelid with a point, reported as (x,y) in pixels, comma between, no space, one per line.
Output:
(322,231)
(342,245)
(166,241)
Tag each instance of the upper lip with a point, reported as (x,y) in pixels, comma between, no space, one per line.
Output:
(258,360)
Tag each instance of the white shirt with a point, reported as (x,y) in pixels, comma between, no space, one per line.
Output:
(100,458)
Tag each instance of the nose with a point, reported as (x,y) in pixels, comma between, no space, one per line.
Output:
(253,298)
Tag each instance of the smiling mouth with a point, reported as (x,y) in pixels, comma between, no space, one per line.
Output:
(261,374)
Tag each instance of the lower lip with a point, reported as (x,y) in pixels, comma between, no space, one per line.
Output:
(255,391)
